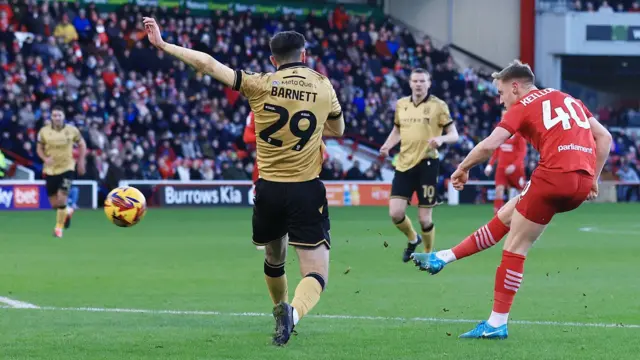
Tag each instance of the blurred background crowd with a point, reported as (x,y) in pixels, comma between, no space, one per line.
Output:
(145,115)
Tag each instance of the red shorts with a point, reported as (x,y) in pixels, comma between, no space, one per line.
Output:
(549,193)
(514,180)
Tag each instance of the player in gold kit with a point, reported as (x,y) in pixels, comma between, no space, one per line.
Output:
(294,107)
(422,124)
(55,148)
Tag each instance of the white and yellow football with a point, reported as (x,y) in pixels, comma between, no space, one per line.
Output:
(125,206)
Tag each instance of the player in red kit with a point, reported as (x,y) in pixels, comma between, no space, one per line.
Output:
(249,138)
(510,170)
(573,148)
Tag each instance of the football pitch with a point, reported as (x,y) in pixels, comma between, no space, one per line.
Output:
(189,284)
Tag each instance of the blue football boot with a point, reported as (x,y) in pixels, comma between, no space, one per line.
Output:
(486,331)
(428,262)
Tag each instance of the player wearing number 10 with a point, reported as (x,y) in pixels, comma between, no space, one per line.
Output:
(573,148)
(293,107)
(421,125)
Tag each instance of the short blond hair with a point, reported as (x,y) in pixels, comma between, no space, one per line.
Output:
(515,70)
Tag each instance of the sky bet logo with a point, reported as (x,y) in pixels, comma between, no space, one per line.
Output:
(26,197)
(6,195)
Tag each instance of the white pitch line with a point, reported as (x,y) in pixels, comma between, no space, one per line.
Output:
(17,304)
(339,317)
(608,231)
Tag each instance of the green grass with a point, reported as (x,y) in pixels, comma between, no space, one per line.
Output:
(204,260)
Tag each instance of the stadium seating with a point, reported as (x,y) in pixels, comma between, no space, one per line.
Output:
(146,116)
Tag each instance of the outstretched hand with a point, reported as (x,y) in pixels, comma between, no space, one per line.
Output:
(153,32)
(459,178)
(594,191)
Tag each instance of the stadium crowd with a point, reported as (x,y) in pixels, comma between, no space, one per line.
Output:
(146,116)
(606,6)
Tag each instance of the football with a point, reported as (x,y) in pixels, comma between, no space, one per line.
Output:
(125,206)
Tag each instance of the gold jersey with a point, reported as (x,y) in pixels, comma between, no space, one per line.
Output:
(291,107)
(58,144)
(418,124)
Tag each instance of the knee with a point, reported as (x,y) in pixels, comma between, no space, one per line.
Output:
(397,215)
(275,253)
(426,224)
(504,214)
(425,216)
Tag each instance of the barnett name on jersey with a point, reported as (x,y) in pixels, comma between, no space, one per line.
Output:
(300,99)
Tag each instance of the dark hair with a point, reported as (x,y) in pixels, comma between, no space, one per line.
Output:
(286,46)
(58,108)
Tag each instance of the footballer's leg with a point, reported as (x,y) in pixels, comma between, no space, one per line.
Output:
(275,256)
(427,200)
(425,215)
(63,199)
(397,211)
(543,197)
(308,228)
(269,230)
(509,276)
(485,237)
(498,201)
(53,184)
(402,188)
(502,179)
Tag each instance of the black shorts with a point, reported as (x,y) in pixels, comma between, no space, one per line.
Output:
(423,179)
(297,209)
(59,182)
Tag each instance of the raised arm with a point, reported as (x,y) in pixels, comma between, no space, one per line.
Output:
(198,60)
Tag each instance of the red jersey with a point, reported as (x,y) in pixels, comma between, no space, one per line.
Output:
(512,152)
(249,138)
(557,125)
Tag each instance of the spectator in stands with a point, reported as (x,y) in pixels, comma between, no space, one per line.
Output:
(605,8)
(152,173)
(82,25)
(207,170)
(114,174)
(183,171)
(136,105)
(194,172)
(233,172)
(628,175)
(65,30)
(134,172)
(355,174)
(373,173)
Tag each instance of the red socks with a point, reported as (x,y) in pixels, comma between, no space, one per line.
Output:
(497,204)
(508,280)
(484,238)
